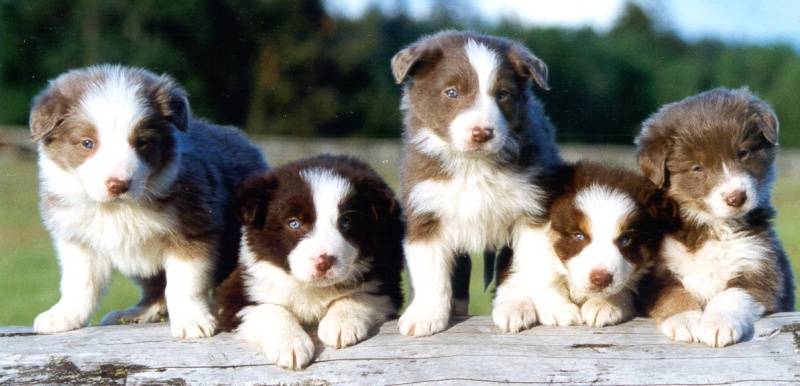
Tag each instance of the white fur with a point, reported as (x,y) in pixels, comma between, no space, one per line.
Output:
(681,327)
(328,191)
(730,183)
(706,272)
(430,266)
(278,334)
(728,317)
(600,311)
(188,280)
(606,211)
(484,112)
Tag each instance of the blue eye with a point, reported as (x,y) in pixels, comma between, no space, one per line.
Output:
(87,144)
(624,240)
(579,236)
(451,93)
(293,223)
(345,222)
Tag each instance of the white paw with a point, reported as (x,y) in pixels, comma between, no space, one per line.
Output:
(599,312)
(192,323)
(338,331)
(718,330)
(56,320)
(291,351)
(559,314)
(514,315)
(419,320)
(680,327)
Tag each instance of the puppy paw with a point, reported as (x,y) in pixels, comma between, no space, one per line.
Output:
(341,331)
(290,350)
(56,320)
(599,312)
(559,314)
(422,320)
(680,327)
(192,323)
(514,315)
(718,330)
(137,314)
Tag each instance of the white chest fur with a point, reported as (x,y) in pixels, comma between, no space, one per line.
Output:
(477,205)
(707,271)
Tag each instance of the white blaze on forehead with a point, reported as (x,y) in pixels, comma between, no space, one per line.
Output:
(606,211)
(114,107)
(485,63)
(328,190)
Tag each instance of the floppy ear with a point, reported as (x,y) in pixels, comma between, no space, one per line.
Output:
(252,198)
(651,154)
(383,204)
(173,103)
(762,117)
(527,65)
(47,113)
(660,206)
(407,60)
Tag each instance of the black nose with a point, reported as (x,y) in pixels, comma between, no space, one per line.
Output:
(482,134)
(600,278)
(116,186)
(736,198)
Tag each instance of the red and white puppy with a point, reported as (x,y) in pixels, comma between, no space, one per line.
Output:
(605,227)
(322,244)
(715,155)
(476,142)
(130,180)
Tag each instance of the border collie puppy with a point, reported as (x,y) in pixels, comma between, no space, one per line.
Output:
(476,142)
(322,244)
(605,227)
(130,180)
(715,154)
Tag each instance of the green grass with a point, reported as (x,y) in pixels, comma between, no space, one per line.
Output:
(29,271)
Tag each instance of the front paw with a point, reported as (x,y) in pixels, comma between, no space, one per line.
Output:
(136,314)
(341,331)
(192,323)
(599,312)
(514,315)
(424,320)
(680,327)
(291,351)
(559,314)
(56,320)
(718,330)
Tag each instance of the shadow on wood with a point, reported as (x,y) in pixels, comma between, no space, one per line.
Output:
(471,351)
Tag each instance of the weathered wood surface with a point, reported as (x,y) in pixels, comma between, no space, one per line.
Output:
(472,351)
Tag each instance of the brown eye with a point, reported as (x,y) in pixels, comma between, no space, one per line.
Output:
(743,154)
(451,93)
(698,168)
(294,223)
(579,236)
(87,144)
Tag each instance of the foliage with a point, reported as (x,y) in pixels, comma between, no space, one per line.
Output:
(287,67)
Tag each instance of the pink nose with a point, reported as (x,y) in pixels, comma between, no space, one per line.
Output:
(600,278)
(323,263)
(482,134)
(116,186)
(736,198)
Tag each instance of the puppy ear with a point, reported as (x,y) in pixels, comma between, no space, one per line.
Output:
(660,206)
(48,111)
(527,65)
(651,154)
(252,198)
(408,60)
(172,103)
(762,117)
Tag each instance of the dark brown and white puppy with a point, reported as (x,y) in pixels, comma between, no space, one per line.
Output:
(129,180)
(322,244)
(476,141)
(605,227)
(715,154)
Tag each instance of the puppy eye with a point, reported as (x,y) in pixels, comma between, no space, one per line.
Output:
(579,236)
(451,93)
(142,143)
(743,154)
(87,144)
(624,240)
(293,223)
(698,168)
(503,95)
(345,222)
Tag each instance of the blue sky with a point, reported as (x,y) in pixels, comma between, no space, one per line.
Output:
(739,21)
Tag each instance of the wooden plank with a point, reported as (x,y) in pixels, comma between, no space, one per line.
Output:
(472,351)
